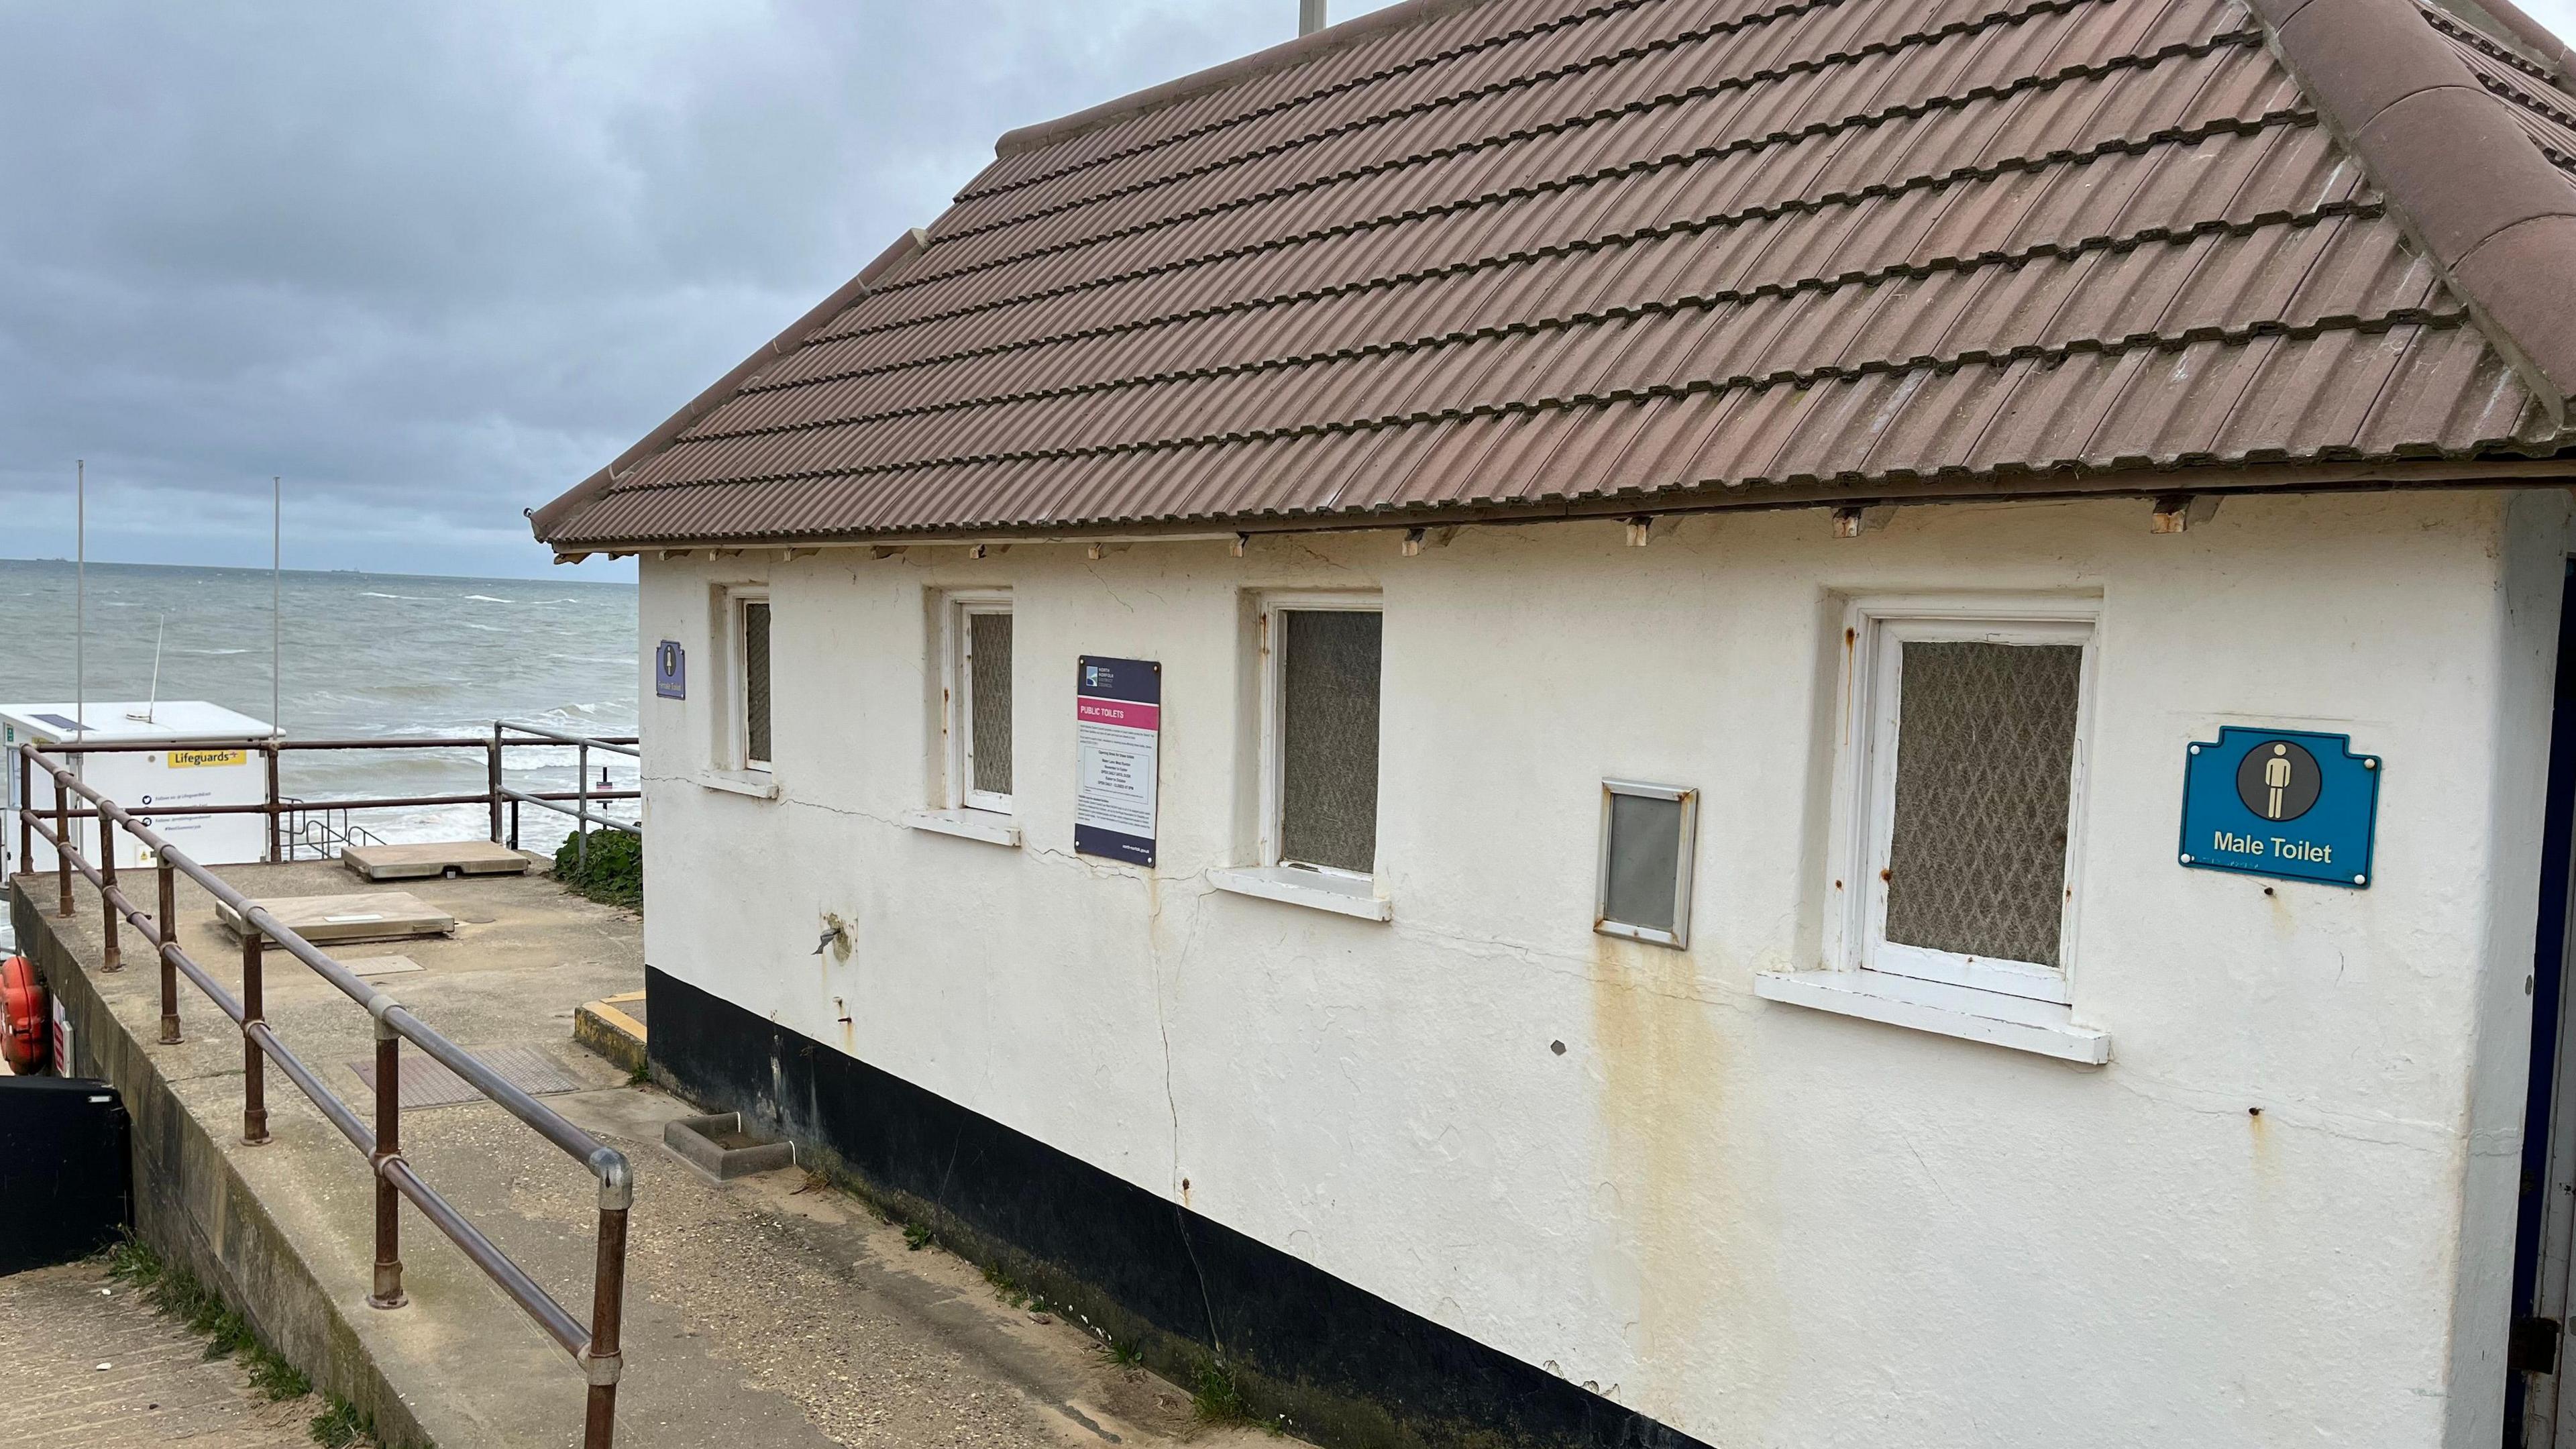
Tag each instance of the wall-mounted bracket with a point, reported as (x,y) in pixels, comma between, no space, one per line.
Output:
(2177,512)
(1853,520)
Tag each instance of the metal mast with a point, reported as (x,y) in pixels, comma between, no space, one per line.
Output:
(80,597)
(276,591)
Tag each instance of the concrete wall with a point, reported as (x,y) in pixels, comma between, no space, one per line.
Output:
(1757,1223)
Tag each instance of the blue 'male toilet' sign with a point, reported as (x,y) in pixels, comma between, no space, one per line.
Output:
(2285,803)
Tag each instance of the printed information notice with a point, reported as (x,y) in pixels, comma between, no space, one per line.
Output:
(1118,740)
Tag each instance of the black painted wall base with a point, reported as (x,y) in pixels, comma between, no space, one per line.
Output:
(1346,1366)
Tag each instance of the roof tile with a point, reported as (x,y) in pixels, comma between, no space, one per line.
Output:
(1528,251)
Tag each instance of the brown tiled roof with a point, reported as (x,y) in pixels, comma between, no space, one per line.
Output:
(1469,258)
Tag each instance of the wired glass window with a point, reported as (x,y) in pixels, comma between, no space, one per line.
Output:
(751,639)
(1975,778)
(981,704)
(1325,714)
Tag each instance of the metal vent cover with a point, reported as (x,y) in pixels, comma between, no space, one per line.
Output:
(425,1083)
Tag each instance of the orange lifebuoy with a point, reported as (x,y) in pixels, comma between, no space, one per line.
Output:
(26,1028)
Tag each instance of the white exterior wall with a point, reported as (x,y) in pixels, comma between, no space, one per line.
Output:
(1760,1224)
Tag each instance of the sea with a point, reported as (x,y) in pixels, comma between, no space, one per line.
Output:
(361,656)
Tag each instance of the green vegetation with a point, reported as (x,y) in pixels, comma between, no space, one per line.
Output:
(1124,1352)
(916,1236)
(1214,1396)
(176,1293)
(341,1426)
(615,874)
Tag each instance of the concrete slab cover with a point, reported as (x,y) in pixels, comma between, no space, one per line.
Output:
(376,916)
(382,965)
(425,1083)
(434,858)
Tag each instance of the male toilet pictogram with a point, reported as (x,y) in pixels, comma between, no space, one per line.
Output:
(2276,775)
(2278,780)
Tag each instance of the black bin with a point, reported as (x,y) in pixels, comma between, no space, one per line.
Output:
(66,1184)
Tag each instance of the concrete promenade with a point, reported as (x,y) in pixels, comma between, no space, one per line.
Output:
(84,1364)
(770,1310)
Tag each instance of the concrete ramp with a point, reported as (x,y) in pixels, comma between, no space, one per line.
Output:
(340,920)
(446,859)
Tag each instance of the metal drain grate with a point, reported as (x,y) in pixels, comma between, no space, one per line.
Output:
(425,1083)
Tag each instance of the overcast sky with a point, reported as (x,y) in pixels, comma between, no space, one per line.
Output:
(435,262)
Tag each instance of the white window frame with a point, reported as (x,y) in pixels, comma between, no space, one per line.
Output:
(737,752)
(1274,700)
(958,683)
(1688,798)
(1876,631)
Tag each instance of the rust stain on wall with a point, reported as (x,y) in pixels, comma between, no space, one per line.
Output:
(1688,1185)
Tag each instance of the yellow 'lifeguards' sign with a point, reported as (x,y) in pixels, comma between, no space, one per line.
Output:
(201,759)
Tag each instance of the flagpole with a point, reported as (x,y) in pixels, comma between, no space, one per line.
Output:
(276,591)
(80,597)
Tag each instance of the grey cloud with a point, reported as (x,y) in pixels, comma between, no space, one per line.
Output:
(435,263)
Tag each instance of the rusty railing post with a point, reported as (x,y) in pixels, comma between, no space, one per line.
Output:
(603,1360)
(581,822)
(254,1061)
(389,1290)
(63,846)
(166,926)
(493,772)
(273,803)
(514,825)
(112,950)
(26,811)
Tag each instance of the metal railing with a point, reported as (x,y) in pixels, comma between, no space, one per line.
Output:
(285,812)
(321,830)
(582,745)
(593,1347)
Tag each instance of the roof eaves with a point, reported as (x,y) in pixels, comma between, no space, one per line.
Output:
(2507,22)
(2004,483)
(1233,72)
(2496,219)
(550,521)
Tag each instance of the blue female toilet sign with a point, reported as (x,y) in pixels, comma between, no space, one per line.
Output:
(2285,803)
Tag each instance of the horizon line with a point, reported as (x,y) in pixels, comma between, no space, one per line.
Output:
(329,573)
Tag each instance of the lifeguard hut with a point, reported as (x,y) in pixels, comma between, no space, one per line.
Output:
(172,755)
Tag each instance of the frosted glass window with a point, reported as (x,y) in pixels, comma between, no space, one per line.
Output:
(1328,719)
(1646,835)
(1985,758)
(988,658)
(755,681)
